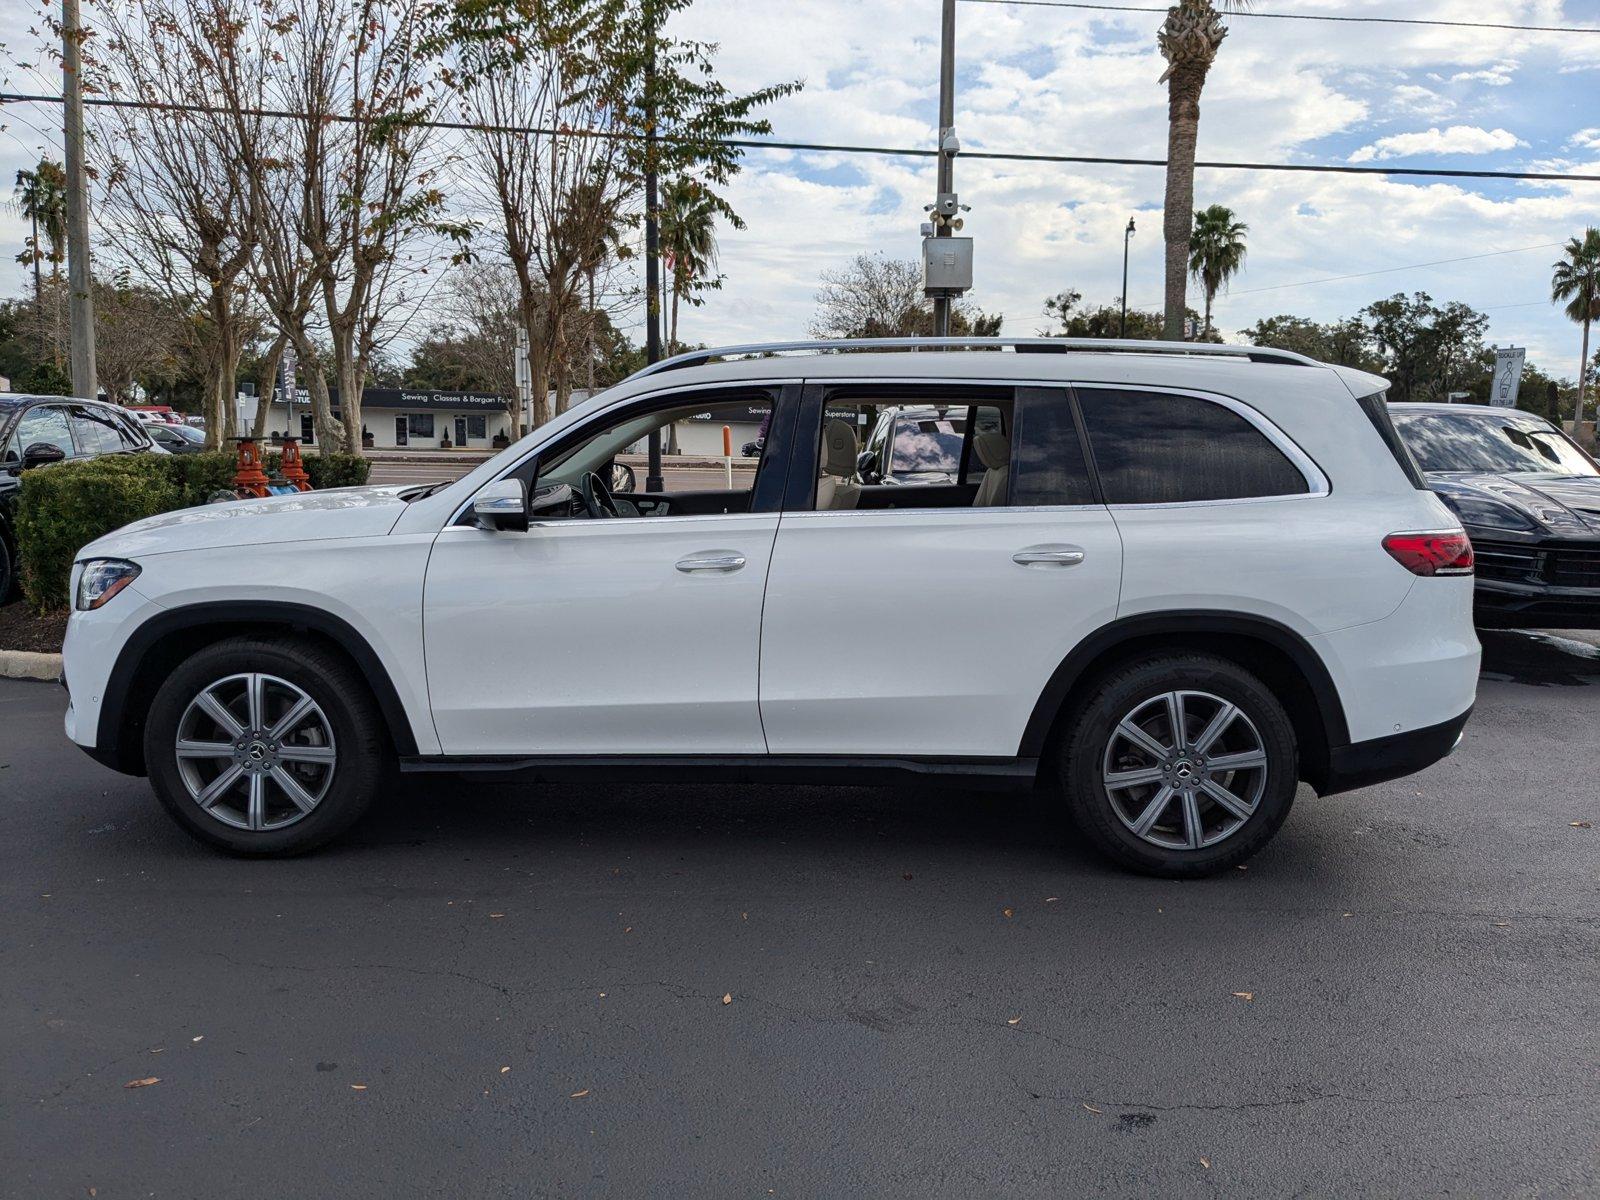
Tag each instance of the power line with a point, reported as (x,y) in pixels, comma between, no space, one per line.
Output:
(841,148)
(1275,16)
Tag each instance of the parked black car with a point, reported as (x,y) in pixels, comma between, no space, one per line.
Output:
(176,439)
(35,430)
(1529,497)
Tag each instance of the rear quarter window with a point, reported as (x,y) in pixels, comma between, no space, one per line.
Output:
(1164,448)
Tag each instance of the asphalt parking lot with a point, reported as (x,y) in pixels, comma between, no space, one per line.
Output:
(812,992)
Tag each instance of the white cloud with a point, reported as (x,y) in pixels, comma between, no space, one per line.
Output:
(1585,139)
(1457,139)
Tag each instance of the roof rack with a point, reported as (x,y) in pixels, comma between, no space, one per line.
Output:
(1039,345)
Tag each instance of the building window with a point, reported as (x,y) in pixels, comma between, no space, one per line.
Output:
(420,424)
(478,426)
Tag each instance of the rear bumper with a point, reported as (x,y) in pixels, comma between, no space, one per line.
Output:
(1362,764)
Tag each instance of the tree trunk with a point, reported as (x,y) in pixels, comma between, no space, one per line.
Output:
(589,331)
(538,363)
(1209,295)
(1183,130)
(348,369)
(672,338)
(1583,375)
(266,380)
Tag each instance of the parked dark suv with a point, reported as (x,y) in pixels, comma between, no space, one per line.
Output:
(35,430)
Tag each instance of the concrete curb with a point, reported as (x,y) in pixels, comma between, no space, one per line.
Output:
(22,664)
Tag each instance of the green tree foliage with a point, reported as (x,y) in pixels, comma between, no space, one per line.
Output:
(1346,342)
(688,245)
(1577,281)
(1428,350)
(1216,252)
(1071,318)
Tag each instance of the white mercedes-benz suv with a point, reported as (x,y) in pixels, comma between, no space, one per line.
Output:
(1173,581)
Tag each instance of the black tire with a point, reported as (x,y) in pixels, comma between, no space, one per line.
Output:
(1089,752)
(359,735)
(8,571)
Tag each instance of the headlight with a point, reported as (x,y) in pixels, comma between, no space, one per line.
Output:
(1487,514)
(103,578)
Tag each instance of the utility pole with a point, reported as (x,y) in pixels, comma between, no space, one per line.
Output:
(1127,236)
(653,482)
(947,154)
(78,274)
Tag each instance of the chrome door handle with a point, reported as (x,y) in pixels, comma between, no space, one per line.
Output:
(1048,556)
(720,561)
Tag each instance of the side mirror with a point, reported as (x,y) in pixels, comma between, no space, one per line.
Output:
(866,464)
(501,505)
(41,454)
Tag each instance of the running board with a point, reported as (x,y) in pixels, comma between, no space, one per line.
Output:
(988,774)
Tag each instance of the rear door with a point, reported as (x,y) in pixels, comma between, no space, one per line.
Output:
(898,627)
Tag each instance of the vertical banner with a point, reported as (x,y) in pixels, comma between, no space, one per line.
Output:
(1507,375)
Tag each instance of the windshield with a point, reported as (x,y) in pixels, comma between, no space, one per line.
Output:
(1479,442)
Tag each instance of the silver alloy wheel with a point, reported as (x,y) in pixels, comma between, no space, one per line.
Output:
(255,752)
(1185,770)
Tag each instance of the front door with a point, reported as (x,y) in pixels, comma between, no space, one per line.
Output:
(401,429)
(925,619)
(625,634)
(461,431)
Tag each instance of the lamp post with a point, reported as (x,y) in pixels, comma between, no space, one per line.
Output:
(1127,236)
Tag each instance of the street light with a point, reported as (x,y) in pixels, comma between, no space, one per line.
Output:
(1127,236)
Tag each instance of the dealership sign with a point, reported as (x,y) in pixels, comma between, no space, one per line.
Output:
(1507,375)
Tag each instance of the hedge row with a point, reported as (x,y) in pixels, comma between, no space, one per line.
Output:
(63,508)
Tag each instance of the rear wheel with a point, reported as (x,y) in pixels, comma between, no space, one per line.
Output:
(1180,765)
(265,746)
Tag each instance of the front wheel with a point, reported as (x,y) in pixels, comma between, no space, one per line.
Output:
(1180,765)
(264,746)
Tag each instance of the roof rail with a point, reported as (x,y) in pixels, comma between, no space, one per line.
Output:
(1038,345)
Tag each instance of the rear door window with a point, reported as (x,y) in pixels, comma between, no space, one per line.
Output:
(1164,448)
(1050,466)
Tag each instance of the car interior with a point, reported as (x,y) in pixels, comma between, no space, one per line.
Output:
(917,455)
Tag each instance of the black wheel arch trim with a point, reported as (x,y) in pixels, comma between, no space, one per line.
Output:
(1178,622)
(260,616)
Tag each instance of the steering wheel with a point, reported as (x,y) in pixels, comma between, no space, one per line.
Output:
(597,501)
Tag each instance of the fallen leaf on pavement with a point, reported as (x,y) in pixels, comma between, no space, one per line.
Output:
(1051,899)
(132,1083)
(906,877)
(358,1087)
(1245,995)
(727,997)
(497,914)
(1502,924)
(1206,1163)
(1013,1020)
(503,1070)
(580,1095)
(201,1038)
(1091,1108)
(1007,912)
(1582,825)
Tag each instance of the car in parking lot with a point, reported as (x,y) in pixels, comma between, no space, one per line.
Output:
(1529,497)
(177,439)
(37,430)
(1179,580)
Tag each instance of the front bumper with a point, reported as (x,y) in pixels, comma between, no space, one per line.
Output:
(1536,583)
(1500,604)
(1362,764)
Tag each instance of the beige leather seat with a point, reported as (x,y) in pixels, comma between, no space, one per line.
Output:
(993,449)
(836,485)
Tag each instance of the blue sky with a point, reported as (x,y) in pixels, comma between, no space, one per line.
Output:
(1069,81)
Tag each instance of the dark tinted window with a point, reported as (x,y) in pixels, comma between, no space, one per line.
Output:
(99,432)
(47,425)
(1377,409)
(1488,442)
(1048,452)
(1157,448)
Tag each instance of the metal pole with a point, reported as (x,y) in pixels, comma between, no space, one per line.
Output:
(653,483)
(1127,236)
(79,277)
(947,120)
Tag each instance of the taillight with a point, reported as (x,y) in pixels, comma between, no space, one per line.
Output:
(1445,552)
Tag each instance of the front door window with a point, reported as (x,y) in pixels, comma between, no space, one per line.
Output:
(401,429)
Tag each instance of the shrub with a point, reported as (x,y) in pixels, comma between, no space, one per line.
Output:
(64,507)
(199,476)
(333,470)
(337,470)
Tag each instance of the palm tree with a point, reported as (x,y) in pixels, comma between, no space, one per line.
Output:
(42,196)
(1577,281)
(1189,39)
(1216,251)
(688,241)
